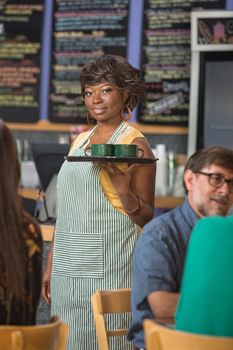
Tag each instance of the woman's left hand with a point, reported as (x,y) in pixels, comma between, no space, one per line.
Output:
(135,184)
(120,178)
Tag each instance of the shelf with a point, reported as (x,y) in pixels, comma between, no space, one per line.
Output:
(42,125)
(159,129)
(45,125)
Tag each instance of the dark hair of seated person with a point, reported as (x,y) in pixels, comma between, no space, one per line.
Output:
(21,243)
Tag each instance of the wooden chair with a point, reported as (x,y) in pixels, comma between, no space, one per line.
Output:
(10,339)
(107,302)
(51,336)
(159,337)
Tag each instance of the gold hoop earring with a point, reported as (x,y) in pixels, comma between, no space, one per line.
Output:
(126,113)
(90,120)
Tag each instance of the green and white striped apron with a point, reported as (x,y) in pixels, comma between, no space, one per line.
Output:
(93,248)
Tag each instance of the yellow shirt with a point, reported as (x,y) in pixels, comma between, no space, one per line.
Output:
(127,137)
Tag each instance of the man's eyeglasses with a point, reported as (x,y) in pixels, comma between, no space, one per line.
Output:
(217,180)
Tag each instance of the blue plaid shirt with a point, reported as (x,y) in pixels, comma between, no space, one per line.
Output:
(158,262)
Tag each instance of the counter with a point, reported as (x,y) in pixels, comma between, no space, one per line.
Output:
(48,230)
(160,202)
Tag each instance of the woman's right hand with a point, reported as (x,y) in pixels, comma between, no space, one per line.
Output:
(46,293)
(46,286)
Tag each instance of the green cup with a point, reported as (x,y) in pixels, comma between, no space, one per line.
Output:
(127,151)
(100,150)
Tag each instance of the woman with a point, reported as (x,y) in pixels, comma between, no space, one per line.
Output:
(21,243)
(101,206)
(205,305)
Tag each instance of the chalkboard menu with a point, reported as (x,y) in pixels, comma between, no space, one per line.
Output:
(166,59)
(82,30)
(20,46)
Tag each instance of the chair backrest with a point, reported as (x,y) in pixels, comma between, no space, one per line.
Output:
(51,336)
(48,158)
(108,302)
(159,337)
(10,339)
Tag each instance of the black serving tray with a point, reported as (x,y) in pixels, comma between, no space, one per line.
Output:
(111,159)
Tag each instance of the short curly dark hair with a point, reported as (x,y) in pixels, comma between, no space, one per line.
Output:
(117,71)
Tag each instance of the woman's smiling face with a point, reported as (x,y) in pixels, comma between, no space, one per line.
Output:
(104,102)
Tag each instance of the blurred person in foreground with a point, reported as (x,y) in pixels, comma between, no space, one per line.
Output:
(101,206)
(20,243)
(205,304)
(161,249)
